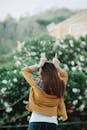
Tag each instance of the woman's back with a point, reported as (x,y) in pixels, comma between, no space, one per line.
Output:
(46,98)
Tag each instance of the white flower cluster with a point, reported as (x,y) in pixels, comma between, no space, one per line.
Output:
(3,90)
(43,43)
(25,102)
(73,68)
(33,53)
(4,81)
(75,102)
(75,90)
(15,71)
(78,49)
(81,108)
(82,58)
(18,63)
(66,67)
(60,52)
(83,43)
(15,80)
(7,107)
(72,63)
(15,57)
(60,44)
(80,97)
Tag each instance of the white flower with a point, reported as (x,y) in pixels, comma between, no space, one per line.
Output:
(15,80)
(15,71)
(78,49)
(2,101)
(25,102)
(81,107)
(83,43)
(78,63)
(75,102)
(43,43)
(79,68)
(71,50)
(72,63)
(11,84)
(36,57)
(82,58)
(18,63)
(15,57)
(33,47)
(4,81)
(75,90)
(86,70)
(8,109)
(28,118)
(62,40)
(8,72)
(3,90)
(66,67)
(80,97)
(71,41)
(60,52)
(73,68)
(64,46)
(6,104)
(33,53)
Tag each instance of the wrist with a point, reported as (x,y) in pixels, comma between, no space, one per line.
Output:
(59,69)
(37,66)
(56,66)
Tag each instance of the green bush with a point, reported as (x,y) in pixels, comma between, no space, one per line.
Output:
(72,54)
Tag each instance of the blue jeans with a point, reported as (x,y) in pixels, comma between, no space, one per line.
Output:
(42,126)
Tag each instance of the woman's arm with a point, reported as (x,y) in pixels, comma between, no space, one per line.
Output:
(56,63)
(32,67)
(61,109)
(27,71)
(36,66)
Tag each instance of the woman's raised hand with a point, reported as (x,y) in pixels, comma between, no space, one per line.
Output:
(56,62)
(43,59)
(42,62)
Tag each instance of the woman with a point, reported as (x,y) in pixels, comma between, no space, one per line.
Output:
(46,98)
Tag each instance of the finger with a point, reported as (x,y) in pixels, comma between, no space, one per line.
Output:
(56,55)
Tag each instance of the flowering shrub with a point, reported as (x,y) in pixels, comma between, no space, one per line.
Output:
(72,54)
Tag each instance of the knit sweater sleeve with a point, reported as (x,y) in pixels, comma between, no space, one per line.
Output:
(61,109)
(27,73)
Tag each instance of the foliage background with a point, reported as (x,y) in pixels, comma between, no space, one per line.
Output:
(34,40)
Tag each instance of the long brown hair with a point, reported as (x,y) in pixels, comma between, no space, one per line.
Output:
(53,85)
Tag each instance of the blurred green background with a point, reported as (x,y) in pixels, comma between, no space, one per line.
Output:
(21,43)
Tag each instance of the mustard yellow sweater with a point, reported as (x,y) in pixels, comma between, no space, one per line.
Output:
(40,101)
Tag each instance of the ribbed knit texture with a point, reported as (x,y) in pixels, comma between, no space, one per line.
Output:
(41,102)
